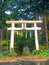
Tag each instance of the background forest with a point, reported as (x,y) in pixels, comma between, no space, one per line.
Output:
(24,10)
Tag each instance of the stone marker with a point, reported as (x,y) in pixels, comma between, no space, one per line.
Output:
(26,50)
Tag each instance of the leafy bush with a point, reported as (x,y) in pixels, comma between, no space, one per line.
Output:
(4,42)
(13,54)
(40,53)
(5,45)
(26,53)
(1,54)
(43,47)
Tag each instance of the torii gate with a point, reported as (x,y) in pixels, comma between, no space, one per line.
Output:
(12,28)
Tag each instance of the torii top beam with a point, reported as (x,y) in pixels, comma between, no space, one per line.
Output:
(19,22)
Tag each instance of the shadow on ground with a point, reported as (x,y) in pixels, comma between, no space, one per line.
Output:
(26,63)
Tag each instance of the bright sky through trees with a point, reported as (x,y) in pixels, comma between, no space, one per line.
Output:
(8,12)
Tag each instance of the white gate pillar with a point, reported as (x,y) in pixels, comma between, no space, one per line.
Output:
(36,37)
(12,38)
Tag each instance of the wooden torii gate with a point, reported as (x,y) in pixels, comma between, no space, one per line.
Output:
(12,28)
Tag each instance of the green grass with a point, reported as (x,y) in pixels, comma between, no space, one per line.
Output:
(44,53)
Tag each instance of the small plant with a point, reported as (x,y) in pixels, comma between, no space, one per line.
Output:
(26,53)
(1,54)
(13,54)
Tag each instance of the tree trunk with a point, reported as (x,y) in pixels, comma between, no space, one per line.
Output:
(0,40)
(46,32)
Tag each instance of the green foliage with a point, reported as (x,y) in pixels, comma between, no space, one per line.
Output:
(1,54)
(43,46)
(5,45)
(25,42)
(4,42)
(13,54)
(21,41)
(40,53)
(26,53)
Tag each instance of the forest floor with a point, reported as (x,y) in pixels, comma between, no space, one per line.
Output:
(23,58)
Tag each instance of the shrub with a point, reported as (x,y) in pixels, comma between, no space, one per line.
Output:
(40,53)
(25,53)
(4,42)
(13,54)
(1,54)
(43,47)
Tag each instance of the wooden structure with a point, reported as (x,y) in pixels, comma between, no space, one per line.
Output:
(24,27)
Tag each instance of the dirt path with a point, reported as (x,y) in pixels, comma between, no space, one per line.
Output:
(23,58)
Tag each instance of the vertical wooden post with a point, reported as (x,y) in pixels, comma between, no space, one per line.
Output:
(12,38)
(36,37)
